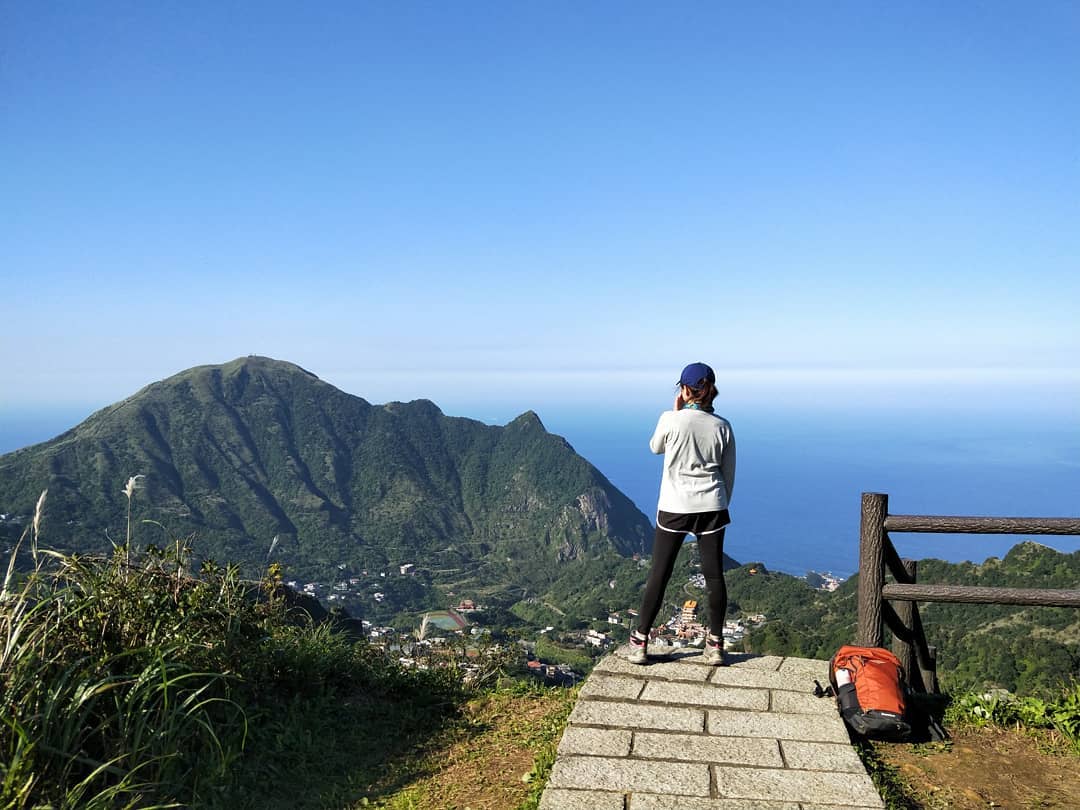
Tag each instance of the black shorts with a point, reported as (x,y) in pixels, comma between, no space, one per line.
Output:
(697,523)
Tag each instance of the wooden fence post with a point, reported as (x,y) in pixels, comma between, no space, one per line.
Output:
(929,672)
(905,649)
(872,539)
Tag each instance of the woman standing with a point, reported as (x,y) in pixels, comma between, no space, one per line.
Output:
(695,490)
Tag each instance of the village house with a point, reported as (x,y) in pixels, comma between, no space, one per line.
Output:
(596,638)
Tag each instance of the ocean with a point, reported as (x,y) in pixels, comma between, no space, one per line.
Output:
(800,478)
(801,472)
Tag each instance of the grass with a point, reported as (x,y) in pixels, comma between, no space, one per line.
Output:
(1057,717)
(129,682)
(498,754)
(106,701)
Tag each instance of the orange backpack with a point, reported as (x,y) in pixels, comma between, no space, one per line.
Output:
(870,691)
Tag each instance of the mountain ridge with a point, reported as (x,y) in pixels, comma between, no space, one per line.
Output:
(257,451)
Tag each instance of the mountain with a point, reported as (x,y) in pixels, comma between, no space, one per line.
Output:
(259,452)
(1024,649)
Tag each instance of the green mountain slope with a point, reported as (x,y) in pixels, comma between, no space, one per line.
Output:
(1022,649)
(257,449)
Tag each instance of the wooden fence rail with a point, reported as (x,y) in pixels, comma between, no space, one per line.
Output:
(951,524)
(982,596)
(877,556)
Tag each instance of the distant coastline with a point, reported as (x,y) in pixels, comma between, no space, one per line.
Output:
(796,505)
(23,427)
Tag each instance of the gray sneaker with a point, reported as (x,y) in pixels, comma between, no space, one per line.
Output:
(637,650)
(714,654)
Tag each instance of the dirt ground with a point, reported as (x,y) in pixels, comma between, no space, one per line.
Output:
(987,768)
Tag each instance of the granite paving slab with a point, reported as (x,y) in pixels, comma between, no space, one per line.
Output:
(706,748)
(607,773)
(674,669)
(815,756)
(562,799)
(755,677)
(600,687)
(705,694)
(776,725)
(788,702)
(602,742)
(677,733)
(855,790)
(654,802)
(805,668)
(618,714)
(768,663)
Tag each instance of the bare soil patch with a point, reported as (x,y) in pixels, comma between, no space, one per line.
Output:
(987,767)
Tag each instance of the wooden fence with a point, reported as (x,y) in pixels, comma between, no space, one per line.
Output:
(878,556)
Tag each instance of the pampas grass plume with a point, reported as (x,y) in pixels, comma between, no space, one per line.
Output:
(39,511)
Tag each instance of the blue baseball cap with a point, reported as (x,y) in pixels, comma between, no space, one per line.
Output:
(696,375)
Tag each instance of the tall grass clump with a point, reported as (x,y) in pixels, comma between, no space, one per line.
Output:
(129,682)
(115,680)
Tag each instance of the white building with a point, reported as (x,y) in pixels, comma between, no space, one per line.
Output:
(596,638)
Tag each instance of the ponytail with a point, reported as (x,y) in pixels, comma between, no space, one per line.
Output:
(703,396)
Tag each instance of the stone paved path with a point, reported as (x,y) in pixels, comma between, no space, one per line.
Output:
(678,735)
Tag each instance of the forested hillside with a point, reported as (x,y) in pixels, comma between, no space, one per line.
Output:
(1022,649)
(259,460)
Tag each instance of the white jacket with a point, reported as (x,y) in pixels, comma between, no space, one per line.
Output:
(699,461)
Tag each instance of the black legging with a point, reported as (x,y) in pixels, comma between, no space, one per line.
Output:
(666,547)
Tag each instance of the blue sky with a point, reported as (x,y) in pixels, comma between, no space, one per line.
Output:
(525,203)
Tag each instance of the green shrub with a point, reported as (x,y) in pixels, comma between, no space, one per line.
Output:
(1062,713)
(126,682)
(115,688)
